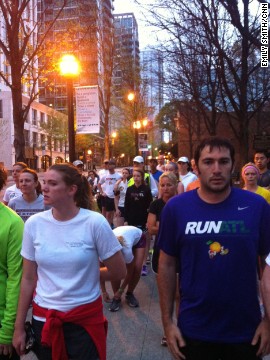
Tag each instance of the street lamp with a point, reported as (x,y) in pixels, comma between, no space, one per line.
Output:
(136,124)
(69,68)
(113,137)
(89,159)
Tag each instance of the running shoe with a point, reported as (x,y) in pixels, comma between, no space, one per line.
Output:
(115,305)
(144,271)
(131,300)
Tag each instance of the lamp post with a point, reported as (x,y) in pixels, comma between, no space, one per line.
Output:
(69,68)
(177,120)
(89,159)
(132,98)
(113,136)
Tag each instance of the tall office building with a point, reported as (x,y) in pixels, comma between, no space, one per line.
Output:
(152,75)
(37,153)
(126,76)
(80,30)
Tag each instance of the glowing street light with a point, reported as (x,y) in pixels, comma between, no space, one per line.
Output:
(70,68)
(131,96)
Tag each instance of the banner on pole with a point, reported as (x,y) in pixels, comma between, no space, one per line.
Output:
(87,110)
(143,141)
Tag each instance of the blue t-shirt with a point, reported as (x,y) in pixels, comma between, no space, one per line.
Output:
(217,246)
(157,175)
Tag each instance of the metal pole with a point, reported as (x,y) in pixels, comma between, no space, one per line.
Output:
(136,141)
(136,128)
(71,132)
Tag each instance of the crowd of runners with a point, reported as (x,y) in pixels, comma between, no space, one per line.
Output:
(66,240)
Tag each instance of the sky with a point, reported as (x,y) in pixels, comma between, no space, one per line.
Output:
(123,6)
(146,37)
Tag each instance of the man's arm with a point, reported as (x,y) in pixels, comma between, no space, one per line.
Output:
(262,334)
(167,287)
(265,289)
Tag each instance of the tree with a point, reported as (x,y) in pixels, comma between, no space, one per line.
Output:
(22,51)
(56,129)
(213,47)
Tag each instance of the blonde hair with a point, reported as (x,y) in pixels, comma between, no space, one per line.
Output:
(171,176)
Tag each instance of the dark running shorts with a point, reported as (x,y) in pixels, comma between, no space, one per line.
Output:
(121,209)
(109,204)
(141,243)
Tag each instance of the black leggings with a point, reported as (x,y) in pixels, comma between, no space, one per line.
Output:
(79,345)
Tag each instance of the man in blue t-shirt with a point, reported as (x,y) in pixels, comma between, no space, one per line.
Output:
(153,170)
(217,234)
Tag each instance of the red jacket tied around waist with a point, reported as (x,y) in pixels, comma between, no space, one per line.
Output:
(89,316)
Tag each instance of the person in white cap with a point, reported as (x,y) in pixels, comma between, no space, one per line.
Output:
(185,175)
(138,162)
(79,165)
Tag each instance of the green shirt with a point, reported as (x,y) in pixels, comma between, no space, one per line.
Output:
(11,232)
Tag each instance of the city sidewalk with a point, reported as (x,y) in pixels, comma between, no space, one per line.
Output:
(134,333)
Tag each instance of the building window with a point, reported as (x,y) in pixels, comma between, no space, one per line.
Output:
(34,116)
(43,141)
(42,118)
(27,137)
(35,139)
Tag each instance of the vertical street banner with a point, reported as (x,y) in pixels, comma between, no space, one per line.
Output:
(143,141)
(87,110)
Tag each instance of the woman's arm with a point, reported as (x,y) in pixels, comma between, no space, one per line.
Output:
(152,224)
(28,285)
(116,197)
(116,202)
(180,188)
(126,207)
(115,269)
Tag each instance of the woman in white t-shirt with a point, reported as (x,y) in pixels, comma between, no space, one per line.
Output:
(120,189)
(61,251)
(31,200)
(14,190)
(133,241)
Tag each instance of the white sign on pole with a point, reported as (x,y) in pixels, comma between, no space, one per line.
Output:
(87,110)
(143,141)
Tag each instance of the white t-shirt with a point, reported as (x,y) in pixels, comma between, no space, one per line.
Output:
(102,173)
(11,192)
(67,254)
(131,235)
(109,180)
(122,187)
(25,209)
(186,179)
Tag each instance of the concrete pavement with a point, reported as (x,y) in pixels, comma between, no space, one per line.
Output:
(134,333)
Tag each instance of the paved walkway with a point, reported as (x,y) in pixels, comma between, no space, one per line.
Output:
(134,333)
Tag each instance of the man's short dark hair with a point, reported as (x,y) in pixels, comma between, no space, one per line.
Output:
(153,160)
(262,151)
(214,142)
